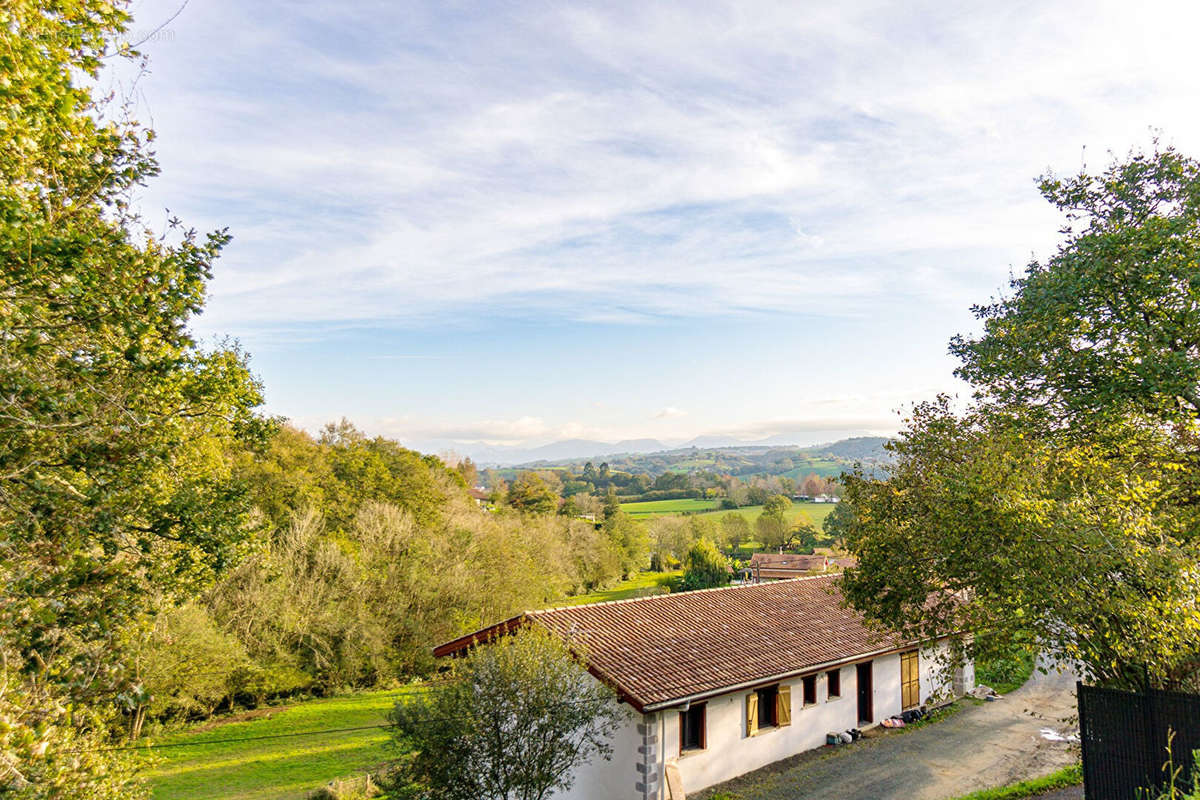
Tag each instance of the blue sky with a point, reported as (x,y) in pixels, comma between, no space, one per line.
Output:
(520,222)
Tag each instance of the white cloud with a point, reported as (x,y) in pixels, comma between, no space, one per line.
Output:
(670,412)
(386,164)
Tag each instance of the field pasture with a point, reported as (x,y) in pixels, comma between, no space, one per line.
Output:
(280,753)
(667,508)
(813,512)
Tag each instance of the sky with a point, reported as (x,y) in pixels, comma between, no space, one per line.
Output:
(518,222)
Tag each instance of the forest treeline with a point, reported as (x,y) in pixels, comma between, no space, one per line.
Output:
(583,489)
(361,555)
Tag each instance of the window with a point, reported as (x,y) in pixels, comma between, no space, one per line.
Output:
(834,678)
(768,701)
(810,690)
(910,680)
(769,707)
(691,728)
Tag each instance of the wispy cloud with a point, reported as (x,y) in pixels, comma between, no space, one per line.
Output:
(394,172)
(403,163)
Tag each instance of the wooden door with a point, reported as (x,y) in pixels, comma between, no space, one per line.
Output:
(866,693)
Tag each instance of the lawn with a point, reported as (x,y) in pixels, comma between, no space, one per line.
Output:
(634,587)
(664,508)
(814,512)
(192,766)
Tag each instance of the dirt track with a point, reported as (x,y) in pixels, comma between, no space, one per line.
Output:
(986,745)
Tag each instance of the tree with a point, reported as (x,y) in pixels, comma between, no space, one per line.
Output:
(631,540)
(612,504)
(735,529)
(771,524)
(1110,324)
(1061,508)
(803,536)
(704,567)
(515,719)
(116,428)
(469,471)
(839,519)
(530,493)
(118,432)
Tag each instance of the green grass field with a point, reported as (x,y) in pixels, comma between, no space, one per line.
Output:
(283,768)
(814,512)
(666,508)
(634,587)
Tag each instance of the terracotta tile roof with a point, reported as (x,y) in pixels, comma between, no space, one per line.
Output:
(655,650)
(793,564)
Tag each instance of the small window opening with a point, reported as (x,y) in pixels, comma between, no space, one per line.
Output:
(810,690)
(767,703)
(691,728)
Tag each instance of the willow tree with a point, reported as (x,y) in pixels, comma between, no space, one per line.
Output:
(1063,507)
(116,428)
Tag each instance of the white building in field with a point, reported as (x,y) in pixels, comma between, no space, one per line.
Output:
(720,682)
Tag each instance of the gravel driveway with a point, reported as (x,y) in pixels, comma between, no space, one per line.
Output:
(981,746)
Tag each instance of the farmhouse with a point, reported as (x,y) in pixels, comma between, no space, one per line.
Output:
(780,566)
(720,682)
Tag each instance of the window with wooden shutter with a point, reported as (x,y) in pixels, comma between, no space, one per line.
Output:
(768,706)
(910,679)
(752,713)
(783,706)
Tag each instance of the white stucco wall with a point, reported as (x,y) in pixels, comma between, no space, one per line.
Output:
(729,752)
(617,778)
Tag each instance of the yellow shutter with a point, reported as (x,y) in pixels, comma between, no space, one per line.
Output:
(910,679)
(752,713)
(783,706)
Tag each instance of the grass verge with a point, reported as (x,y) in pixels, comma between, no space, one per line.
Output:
(638,586)
(209,764)
(1067,776)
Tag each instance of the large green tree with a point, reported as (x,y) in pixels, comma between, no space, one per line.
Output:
(704,567)
(1063,506)
(1110,324)
(117,431)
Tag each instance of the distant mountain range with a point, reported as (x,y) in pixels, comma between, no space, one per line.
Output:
(574,449)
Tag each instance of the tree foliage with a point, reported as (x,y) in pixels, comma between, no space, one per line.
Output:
(1110,324)
(530,493)
(1062,508)
(771,525)
(118,431)
(704,567)
(513,722)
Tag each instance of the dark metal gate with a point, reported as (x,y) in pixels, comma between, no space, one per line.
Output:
(1124,738)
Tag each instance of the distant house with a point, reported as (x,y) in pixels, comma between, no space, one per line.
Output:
(720,682)
(781,566)
(479,495)
(826,498)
